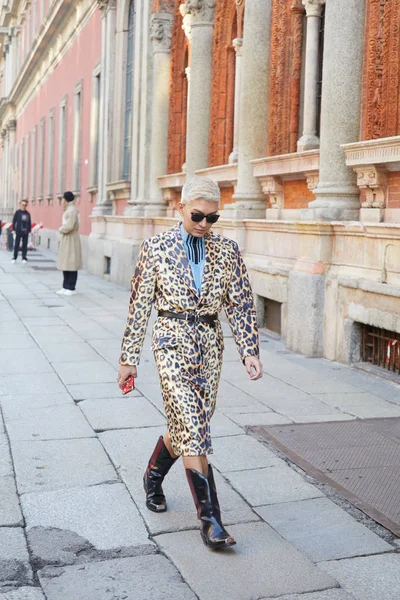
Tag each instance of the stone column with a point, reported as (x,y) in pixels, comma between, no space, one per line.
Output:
(199,92)
(7,208)
(237,44)
(337,195)
(253,126)
(12,192)
(104,203)
(161,25)
(309,139)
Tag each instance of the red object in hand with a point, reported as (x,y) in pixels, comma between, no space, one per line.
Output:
(128,385)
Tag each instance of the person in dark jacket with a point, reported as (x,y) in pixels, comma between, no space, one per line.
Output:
(22,226)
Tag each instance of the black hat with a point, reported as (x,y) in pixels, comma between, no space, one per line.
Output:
(69,196)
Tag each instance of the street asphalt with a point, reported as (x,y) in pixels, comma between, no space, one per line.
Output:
(73,520)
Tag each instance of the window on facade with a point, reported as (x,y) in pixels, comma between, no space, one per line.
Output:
(128,94)
(21,171)
(96,90)
(41,156)
(50,158)
(26,173)
(62,143)
(34,153)
(76,157)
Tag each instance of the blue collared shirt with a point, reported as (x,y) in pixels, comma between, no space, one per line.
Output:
(196,252)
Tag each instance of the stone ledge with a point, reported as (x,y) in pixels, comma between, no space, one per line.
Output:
(383,151)
(370,286)
(296,163)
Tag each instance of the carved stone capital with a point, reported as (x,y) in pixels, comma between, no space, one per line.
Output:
(201,11)
(312,178)
(373,180)
(272,187)
(186,21)
(11,125)
(160,34)
(313,7)
(237,44)
(106,5)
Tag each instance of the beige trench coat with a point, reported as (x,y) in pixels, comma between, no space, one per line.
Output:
(70,251)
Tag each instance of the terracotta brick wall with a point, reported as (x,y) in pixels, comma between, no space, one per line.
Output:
(394,190)
(223,83)
(297,194)
(284,97)
(178,96)
(381,76)
(166,6)
(226,196)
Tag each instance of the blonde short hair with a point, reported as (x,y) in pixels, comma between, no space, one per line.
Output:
(200,188)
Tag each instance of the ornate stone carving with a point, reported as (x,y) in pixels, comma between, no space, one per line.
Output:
(313,7)
(272,187)
(161,31)
(223,83)
(312,180)
(373,181)
(201,10)
(11,125)
(381,94)
(105,5)
(286,45)
(186,21)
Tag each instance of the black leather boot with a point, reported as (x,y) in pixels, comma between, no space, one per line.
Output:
(159,464)
(204,493)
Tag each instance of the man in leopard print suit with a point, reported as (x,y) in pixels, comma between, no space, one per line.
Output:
(190,274)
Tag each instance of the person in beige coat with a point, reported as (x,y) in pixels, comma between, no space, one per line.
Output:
(70,251)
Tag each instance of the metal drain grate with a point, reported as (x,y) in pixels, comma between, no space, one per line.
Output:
(360,459)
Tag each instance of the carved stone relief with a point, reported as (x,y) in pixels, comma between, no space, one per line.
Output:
(381,93)
(374,182)
(272,187)
(201,10)
(161,31)
(285,74)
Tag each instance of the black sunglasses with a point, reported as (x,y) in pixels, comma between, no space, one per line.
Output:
(198,217)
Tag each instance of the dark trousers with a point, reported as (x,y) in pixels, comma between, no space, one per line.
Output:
(18,238)
(70,278)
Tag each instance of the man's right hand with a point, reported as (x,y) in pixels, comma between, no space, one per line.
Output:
(124,372)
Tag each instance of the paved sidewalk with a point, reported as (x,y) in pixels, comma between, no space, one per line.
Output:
(73,522)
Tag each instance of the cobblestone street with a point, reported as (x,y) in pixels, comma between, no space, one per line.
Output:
(73,520)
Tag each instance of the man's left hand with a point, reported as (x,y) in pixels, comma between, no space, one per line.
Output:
(253,367)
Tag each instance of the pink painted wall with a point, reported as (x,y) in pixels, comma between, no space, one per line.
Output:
(76,65)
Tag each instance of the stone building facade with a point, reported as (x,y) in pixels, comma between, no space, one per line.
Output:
(297,119)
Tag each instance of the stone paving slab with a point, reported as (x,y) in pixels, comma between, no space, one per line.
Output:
(23,593)
(151,391)
(262,565)
(61,334)
(222,426)
(78,352)
(10,512)
(325,595)
(322,530)
(14,558)
(94,372)
(54,422)
(37,383)
(16,328)
(130,451)
(241,452)
(261,418)
(22,341)
(138,578)
(88,391)
(60,464)
(369,577)
(121,413)
(272,485)
(109,349)
(30,361)
(14,406)
(362,405)
(104,515)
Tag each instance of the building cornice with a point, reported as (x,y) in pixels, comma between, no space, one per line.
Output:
(48,47)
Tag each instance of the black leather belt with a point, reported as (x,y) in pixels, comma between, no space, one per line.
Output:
(190,316)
